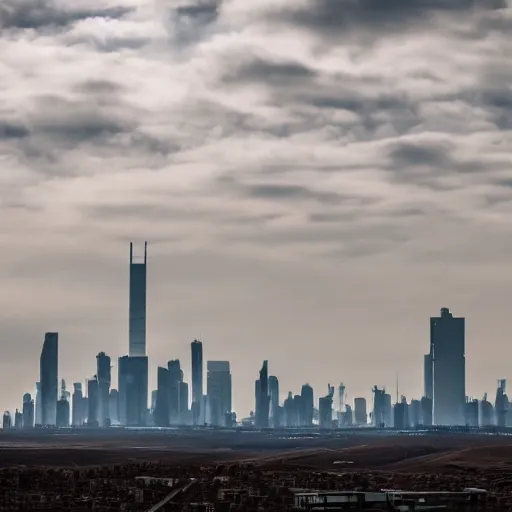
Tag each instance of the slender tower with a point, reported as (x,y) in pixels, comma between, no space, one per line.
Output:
(197,380)
(49,382)
(138,304)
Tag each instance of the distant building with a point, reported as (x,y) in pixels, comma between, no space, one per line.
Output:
(63,413)
(428,375)
(262,398)
(401,414)
(415,413)
(307,405)
(447,347)
(18,419)
(162,411)
(133,391)
(38,404)
(93,403)
(360,413)
(6,420)
(49,381)
(325,409)
(114,406)
(103,365)
(273,389)
(28,411)
(426,411)
(472,413)
(78,412)
(218,389)
(197,380)
(175,380)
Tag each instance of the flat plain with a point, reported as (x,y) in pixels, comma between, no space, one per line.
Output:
(353,451)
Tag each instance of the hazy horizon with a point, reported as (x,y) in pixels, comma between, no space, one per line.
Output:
(315,180)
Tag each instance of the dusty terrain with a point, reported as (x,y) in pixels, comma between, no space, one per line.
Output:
(434,453)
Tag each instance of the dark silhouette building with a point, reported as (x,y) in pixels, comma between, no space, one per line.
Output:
(78,413)
(428,376)
(262,398)
(426,411)
(197,382)
(38,405)
(6,420)
(49,381)
(218,390)
(307,405)
(133,391)
(162,410)
(28,411)
(114,406)
(360,412)
(137,308)
(104,380)
(325,409)
(447,348)
(63,413)
(175,380)
(501,404)
(93,402)
(18,419)
(401,414)
(273,389)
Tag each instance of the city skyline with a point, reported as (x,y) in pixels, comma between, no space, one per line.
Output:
(310,195)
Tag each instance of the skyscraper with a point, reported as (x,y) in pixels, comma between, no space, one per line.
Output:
(307,406)
(104,381)
(197,380)
(39,418)
(93,402)
(28,411)
(162,413)
(273,389)
(262,398)
(218,389)
(78,413)
(447,347)
(175,379)
(49,381)
(137,313)
(133,391)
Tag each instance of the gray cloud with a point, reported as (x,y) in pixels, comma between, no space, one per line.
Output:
(297,167)
(38,14)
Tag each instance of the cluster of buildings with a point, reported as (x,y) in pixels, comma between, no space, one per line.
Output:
(175,403)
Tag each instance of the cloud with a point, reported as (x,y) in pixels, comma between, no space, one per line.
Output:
(40,14)
(297,167)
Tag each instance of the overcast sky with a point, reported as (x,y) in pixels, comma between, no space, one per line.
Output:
(315,179)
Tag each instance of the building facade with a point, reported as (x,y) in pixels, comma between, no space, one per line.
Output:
(447,347)
(137,308)
(49,381)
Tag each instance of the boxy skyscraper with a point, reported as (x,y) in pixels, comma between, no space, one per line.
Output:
(49,381)
(447,350)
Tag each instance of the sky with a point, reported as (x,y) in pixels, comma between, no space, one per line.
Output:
(315,179)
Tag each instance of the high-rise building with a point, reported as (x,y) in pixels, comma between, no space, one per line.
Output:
(175,380)
(63,413)
(137,313)
(325,409)
(360,413)
(162,413)
(39,417)
(6,420)
(428,375)
(262,398)
(307,406)
(114,406)
(197,381)
(133,391)
(93,402)
(49,381)
(218,389)
(104,381)
(28,411)
(78,414)
(447,347)
(273,389)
